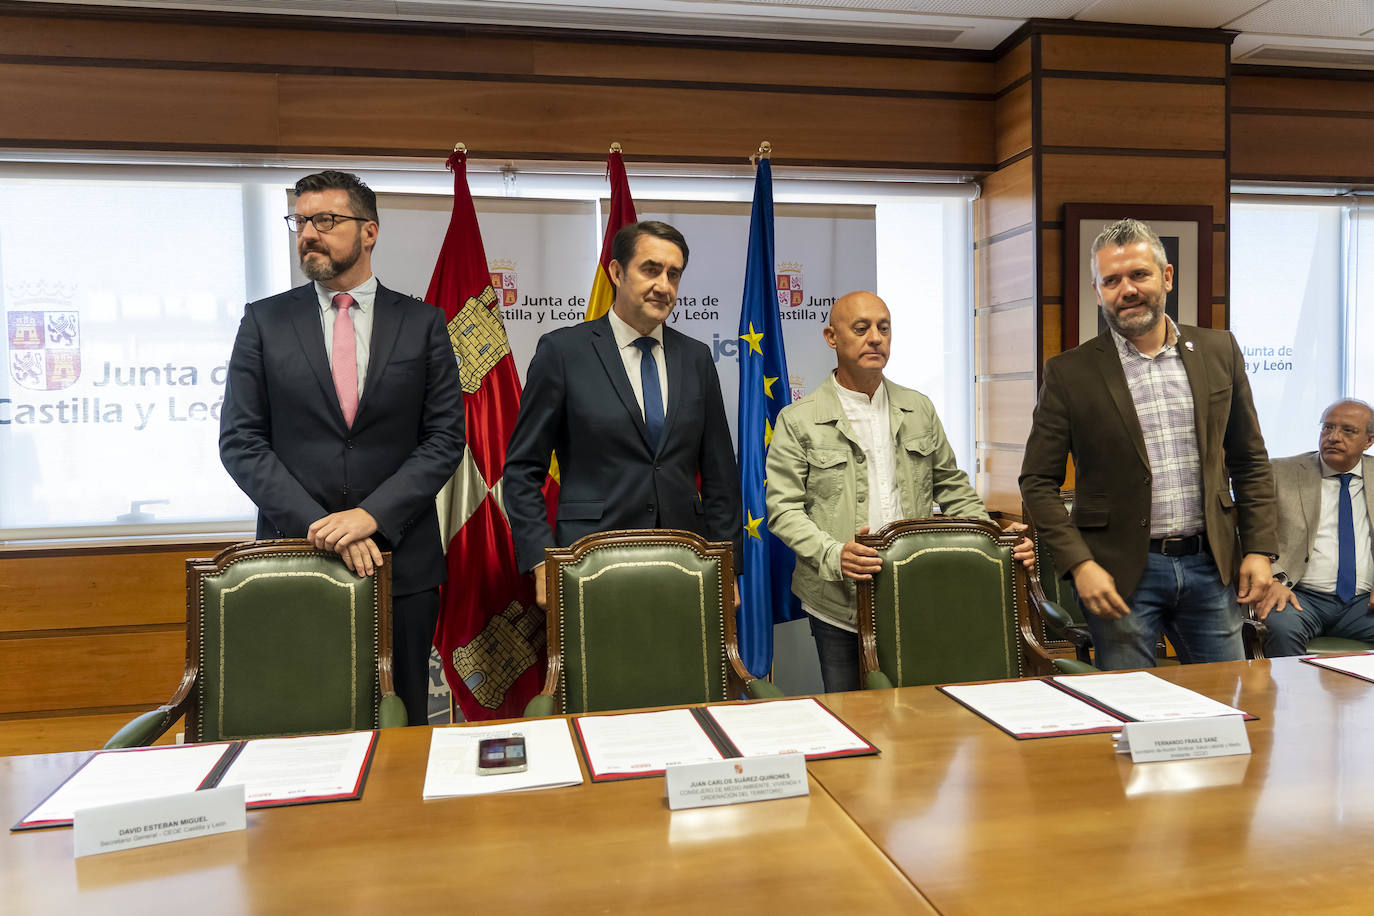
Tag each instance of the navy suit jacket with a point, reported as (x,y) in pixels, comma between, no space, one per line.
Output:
(578,401)
(284,441)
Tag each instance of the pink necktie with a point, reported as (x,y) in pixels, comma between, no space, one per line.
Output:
(345,367)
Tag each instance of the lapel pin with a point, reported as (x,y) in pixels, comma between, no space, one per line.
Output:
(1188,344)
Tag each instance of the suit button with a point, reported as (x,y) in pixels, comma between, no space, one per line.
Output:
(651,507)
(658,467)
(348,443)
(861,459)
(346,491)
(1147,478)
(862,497)
(1144,522)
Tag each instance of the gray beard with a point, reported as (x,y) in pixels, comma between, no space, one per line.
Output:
(1136,327)
(329,268)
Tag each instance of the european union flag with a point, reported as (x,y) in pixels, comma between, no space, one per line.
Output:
(764,389)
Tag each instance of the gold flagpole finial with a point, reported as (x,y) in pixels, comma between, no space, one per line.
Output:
(459,147)
(615,147)
(765,152)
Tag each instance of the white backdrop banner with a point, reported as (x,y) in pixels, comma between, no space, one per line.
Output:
(542,253)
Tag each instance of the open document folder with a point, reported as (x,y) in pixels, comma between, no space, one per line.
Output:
(452,768)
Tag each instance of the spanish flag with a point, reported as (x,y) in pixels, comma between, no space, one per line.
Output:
(622,214)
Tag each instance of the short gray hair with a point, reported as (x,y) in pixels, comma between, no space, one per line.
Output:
(1125,232)
(1369,425)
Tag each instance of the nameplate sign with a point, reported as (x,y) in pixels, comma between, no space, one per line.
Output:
(129,825)
(1184,739)
(741,779)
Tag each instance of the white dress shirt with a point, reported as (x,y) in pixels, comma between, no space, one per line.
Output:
(365,295)
(1320,574)
(632,356)
(872,425)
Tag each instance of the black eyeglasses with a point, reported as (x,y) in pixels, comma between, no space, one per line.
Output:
(322,222)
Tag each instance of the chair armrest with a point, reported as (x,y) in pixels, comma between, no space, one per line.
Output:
(141,730)
(541,704)
(876,680)
(1074,666)
(1057,618)
(759,689)
(392,712)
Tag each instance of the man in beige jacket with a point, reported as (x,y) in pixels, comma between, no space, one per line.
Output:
(852,456)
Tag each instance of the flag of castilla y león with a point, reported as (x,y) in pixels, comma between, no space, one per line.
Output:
(490,634)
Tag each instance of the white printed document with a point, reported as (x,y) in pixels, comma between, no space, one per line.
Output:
(1143,697)
(113,777)
(452,768)
(787,727)
(1360,665)
(1033,709)
(643,743)
(290,771)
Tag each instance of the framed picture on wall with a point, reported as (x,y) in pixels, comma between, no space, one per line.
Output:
(1186,232)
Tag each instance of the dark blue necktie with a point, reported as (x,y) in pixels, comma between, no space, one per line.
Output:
(653,395)
(1345,538)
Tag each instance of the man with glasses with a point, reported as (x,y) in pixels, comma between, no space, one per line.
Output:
(343,416)
(1174,498)
(1326,553)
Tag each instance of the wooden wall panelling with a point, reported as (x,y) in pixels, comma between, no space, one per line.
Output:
(1003,337)
(1052,261)
(1220,261)
(1013,123)
(62,673)
(1051,330)
(1311,147)
(999,469)
(1133,179)
(1328,90)
(1013,65)
(437,48)
(564,120)
(49,735)
(1007,198)
(1091,113)
(1009,403)
(1152,56)
(62,591)
(1009,264)
(131,107)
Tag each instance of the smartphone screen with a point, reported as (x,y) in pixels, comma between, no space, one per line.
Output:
(501,755)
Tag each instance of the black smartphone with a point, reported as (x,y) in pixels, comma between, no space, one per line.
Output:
(501,755)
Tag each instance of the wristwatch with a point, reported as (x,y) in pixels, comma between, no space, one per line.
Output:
(1282,579)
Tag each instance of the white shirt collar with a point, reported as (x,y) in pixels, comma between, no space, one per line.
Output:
(364,294)
(1328,471)
(850,398)
(625,335)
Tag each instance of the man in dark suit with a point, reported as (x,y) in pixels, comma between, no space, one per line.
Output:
(1162,428)
(343,416)
(629,455)
(1326,537)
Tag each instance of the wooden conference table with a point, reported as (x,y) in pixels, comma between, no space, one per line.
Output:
(953,815)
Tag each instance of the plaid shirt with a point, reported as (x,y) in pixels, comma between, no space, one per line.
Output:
(1164,407)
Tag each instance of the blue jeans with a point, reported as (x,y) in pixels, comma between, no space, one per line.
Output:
(839,654)
(1322,614)
(1184,597)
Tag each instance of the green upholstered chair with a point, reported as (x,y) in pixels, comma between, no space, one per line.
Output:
(1058,614)
(943,608)
(1256,632)
(641,618)
(281,639)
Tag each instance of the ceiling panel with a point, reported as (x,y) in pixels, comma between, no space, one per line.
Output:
(962,24)
(1332,18)
(1212,14)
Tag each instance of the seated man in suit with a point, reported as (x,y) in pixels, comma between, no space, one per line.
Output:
(856,454)
(633,409)
(1326,560)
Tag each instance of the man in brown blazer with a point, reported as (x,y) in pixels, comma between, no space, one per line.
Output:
(1162,430)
